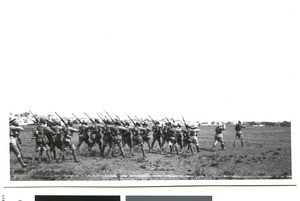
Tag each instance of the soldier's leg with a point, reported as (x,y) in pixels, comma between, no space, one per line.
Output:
(153,141)
(62,152)
(14,148)
(100,145)
(142,147)
(36,151)
(80,140)
(73,149)
(111,149)
(176,149)
(103,148)
(242,142)
(121,148)
(46,148)
(215,144)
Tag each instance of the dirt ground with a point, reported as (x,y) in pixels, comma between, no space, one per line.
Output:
(265,155)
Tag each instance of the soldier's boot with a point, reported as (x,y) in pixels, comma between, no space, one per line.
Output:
(48,157)
(171,148)
(242,143)
(214,148)
(144,156)
(75,156)
(192,152)
(223,147)
(122,152)
(198,149)
(62,153)
(176,150)
(24,165)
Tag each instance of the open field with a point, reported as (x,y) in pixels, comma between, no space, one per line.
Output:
(266,155)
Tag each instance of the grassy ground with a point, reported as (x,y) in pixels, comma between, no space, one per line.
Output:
(265,155)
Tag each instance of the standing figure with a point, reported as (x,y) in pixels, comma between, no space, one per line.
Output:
(84,135)
(96,135)
(42,142)
(157,133)
(67,141)
(239,134)
(219,136)
(14,131)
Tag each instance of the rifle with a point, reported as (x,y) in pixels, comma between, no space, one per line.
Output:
(131,120)
(77,118)
(49,122)
(90,118)
(173,120)
(27,118)
(101,118)
(110,117)
(61,119)
(151,119)
(168,121)
(186,126)
(36,119)
(121,121)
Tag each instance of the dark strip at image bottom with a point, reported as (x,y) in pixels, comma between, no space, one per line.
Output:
(75,198)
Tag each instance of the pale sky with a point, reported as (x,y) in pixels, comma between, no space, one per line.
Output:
(207,61)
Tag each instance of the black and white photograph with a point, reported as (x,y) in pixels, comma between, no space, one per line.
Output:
(108,146)
(149,93)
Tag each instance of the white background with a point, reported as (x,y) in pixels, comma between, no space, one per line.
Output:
(206,60)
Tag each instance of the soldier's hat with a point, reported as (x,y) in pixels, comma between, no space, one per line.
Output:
(84,122)
(43,120)
(157,122)
(127,123)
(14,122)
(138,124)
(97,121)
(239,122)
(70,123)
(56,122)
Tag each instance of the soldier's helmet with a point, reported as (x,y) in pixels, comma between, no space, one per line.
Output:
(144,124)
(118,123)
(14,122)
(239,122)
(178,125)
(127,123)
(137,124)
(157,122)
(84,122)
(56,122)
(97,121)
(109,122)
(70,123)
(42,120)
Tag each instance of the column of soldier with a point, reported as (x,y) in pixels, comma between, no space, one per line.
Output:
(57,135)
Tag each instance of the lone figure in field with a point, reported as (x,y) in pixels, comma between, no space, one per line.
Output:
(239,135)
(219,136)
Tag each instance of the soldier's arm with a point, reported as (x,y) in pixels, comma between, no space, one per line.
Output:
(16,128)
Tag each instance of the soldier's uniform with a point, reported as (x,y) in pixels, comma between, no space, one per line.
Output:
(107,137)
(127,137)
(14,131)
(157,133)
(219,136)
(42,142)
(67,141)
(116,140)
(95,135)
(84,135)
(145,132)
(57,137)
(137,137)
(239,134)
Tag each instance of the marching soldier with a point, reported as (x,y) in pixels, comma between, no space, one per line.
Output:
(116,139)
(56,137)
(67,141)
(193,133)
(157,133)
(14,131)
(145,134)
(42,142)
(107,137)
(137,137)
(239,134)
(219,136)
(96,136)
(84,135)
